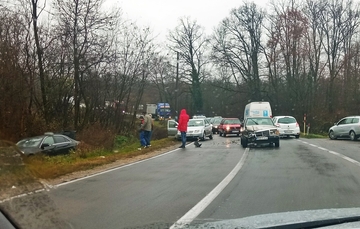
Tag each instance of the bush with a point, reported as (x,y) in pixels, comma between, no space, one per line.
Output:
(97,136)
(121,140)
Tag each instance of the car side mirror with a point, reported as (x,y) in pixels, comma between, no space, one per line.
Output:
(44,145)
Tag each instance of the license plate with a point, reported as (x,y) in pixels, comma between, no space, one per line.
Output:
(262,138)
(288,131)
(235,131)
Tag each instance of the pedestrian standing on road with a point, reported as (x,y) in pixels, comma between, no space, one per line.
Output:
(146,127)
(142,134)
(182,126)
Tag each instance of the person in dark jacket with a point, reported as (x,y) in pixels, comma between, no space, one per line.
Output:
(182,126)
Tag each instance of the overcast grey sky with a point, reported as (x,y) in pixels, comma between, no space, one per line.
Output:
(163,15)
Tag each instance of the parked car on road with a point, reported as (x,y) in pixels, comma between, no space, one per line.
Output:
(197,128)
(215,124)
(258,130)
(49,144)
(288,126)
(229,126)
(348,127)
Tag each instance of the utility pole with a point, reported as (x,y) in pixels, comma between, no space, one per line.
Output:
(177,83)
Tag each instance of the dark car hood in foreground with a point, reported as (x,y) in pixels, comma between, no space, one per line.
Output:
(327,218)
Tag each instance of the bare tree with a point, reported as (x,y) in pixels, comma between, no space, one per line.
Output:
(288,44)
(89,29)
(188,39)
(238,46)
(338,23)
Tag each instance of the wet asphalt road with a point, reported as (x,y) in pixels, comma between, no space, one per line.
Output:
(303,174)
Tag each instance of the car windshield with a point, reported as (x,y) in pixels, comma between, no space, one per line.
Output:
(287,120)
(216,121)
(232,121)
(30,142)
(259,121)
(195,123)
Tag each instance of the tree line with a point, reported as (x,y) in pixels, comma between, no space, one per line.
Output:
(72,63)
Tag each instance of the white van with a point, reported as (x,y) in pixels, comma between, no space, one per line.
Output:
(258,109)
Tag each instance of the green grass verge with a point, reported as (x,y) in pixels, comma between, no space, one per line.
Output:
(314,136)
(46,167)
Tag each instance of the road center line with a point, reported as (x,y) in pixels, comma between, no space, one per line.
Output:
(334,153)
(199,207)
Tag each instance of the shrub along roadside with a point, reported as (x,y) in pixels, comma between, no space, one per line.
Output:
(46,167)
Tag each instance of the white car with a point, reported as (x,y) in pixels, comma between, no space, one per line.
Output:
(288,126)
(197,128)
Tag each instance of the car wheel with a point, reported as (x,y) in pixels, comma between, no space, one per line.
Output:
(220,134)
(224,134)
(203,137)
(244,142)
(332,135)
(211,136)
(277,143)
(297,136)
(352,136)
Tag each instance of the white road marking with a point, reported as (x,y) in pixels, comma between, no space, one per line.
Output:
(47,187)
(21,195)
(199,207)
(116,168)
(334,153)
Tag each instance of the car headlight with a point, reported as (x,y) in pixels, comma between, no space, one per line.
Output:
(228,128)
(274,132)
(252,134)
(215,126)
(196,131)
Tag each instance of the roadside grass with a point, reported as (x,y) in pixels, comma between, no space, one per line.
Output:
(13,172)
(46,167)
(321,135)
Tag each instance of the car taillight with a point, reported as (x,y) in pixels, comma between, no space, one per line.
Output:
(297,124)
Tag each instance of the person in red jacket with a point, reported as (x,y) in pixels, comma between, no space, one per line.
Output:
(182,126)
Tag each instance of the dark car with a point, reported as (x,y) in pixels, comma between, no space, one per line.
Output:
(215,124)
(258,130)
(229,126)
(49,144)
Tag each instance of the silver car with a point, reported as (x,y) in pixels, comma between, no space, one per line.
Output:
(288,126)
(348,127)
(197,128)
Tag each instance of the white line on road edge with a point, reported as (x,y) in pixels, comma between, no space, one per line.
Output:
(334,153)
(47,187)
(116,168)
(199,207)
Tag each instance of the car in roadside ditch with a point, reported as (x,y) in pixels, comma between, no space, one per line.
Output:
(348,127)
(229,126)
(259,130)
(288,126)
(197,128)
(49,144)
